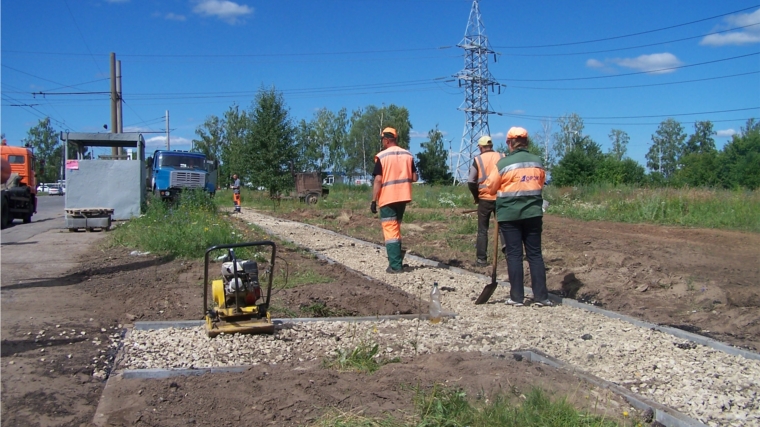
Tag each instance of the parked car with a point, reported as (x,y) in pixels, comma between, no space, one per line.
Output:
(55,190)
(43,188)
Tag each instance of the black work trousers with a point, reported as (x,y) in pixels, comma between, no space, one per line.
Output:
(486,208)
(527,233)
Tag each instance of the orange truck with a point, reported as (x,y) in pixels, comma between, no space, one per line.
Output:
(19,184)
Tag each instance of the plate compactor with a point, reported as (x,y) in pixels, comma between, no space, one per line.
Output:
(238,303)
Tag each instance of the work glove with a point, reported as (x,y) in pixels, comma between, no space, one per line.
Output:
(373,207)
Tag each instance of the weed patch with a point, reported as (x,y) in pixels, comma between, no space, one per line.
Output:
(363,358)
(448,407)
(184,228)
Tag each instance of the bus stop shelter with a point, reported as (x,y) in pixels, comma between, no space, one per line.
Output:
(108,183)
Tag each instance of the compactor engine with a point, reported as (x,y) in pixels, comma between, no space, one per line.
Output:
(238,303)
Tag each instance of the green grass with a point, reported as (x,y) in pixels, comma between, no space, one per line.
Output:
(449,407)
(298,278)
(690,207)
(182,229)
(363,358)
(320,309)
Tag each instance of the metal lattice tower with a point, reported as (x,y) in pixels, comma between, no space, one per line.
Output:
(477,80)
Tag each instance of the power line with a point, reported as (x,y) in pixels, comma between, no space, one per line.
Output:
(82,36)
(635,117)
(629,47)
(637,72)
(627,35)
(637,86)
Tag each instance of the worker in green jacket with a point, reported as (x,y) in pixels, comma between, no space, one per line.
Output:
(517,182)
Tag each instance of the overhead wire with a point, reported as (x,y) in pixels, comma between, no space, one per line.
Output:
(82,36)
(637,86)
(627,35)
(629,47)
(653,71)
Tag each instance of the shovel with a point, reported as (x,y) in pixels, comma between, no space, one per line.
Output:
(488,290)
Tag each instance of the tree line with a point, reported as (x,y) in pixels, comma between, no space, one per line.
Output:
(264,144)
(674,158)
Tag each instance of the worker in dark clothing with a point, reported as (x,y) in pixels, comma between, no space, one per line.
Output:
(518,182)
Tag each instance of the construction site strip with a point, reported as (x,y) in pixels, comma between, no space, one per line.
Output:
(710,385)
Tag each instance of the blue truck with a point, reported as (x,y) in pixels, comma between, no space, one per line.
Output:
(169,172)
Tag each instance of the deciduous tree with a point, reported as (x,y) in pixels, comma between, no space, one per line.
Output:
(619,139)
(570,129)
(666,149)
(43,139)
(702,140)
(432,160)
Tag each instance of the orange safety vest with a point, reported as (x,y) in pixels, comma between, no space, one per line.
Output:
(396,180)
(486,163)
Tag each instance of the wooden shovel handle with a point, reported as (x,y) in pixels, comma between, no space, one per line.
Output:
(495,247)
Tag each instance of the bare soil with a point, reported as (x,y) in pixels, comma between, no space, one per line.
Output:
(288,395)
(701,280)
(704,279)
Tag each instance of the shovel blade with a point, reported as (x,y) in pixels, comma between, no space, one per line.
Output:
(485,295)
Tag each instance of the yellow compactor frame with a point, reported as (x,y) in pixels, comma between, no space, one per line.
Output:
(238,319)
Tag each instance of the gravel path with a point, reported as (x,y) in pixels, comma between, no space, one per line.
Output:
(717,388)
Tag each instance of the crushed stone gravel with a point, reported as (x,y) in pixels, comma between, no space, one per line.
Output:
(714,387)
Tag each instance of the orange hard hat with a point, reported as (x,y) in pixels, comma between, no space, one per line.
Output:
(517,132)
(389,133)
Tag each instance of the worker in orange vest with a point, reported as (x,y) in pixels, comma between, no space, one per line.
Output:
(236,192)
(482,166)
(518,182)
(392,189)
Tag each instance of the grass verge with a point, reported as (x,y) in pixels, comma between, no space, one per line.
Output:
(449,407)
(690,207)
(185,228)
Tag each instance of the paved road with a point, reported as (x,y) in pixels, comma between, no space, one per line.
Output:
(50,213)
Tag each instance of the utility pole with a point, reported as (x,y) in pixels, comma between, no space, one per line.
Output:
(119,111)
(114,97)
(168,146)
(477,80)
(364,154)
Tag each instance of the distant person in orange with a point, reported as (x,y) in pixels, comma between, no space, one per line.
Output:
(518,182)
(236,192)
(392,189)
(482,165)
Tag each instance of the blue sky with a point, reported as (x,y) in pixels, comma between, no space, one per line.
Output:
(623,65)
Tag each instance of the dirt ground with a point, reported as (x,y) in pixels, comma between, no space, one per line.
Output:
(54,362)
(288,395)
(59,332)
(701,280)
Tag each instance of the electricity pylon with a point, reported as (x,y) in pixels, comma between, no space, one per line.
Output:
(476,80)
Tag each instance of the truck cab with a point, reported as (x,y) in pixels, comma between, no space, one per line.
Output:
(19,184)
(169,172)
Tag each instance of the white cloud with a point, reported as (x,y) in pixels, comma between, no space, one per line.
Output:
(743,36)
(656,63)
(160,141)
(137,129)
(225,10)
(594,63)
(725,133)
(174,17)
